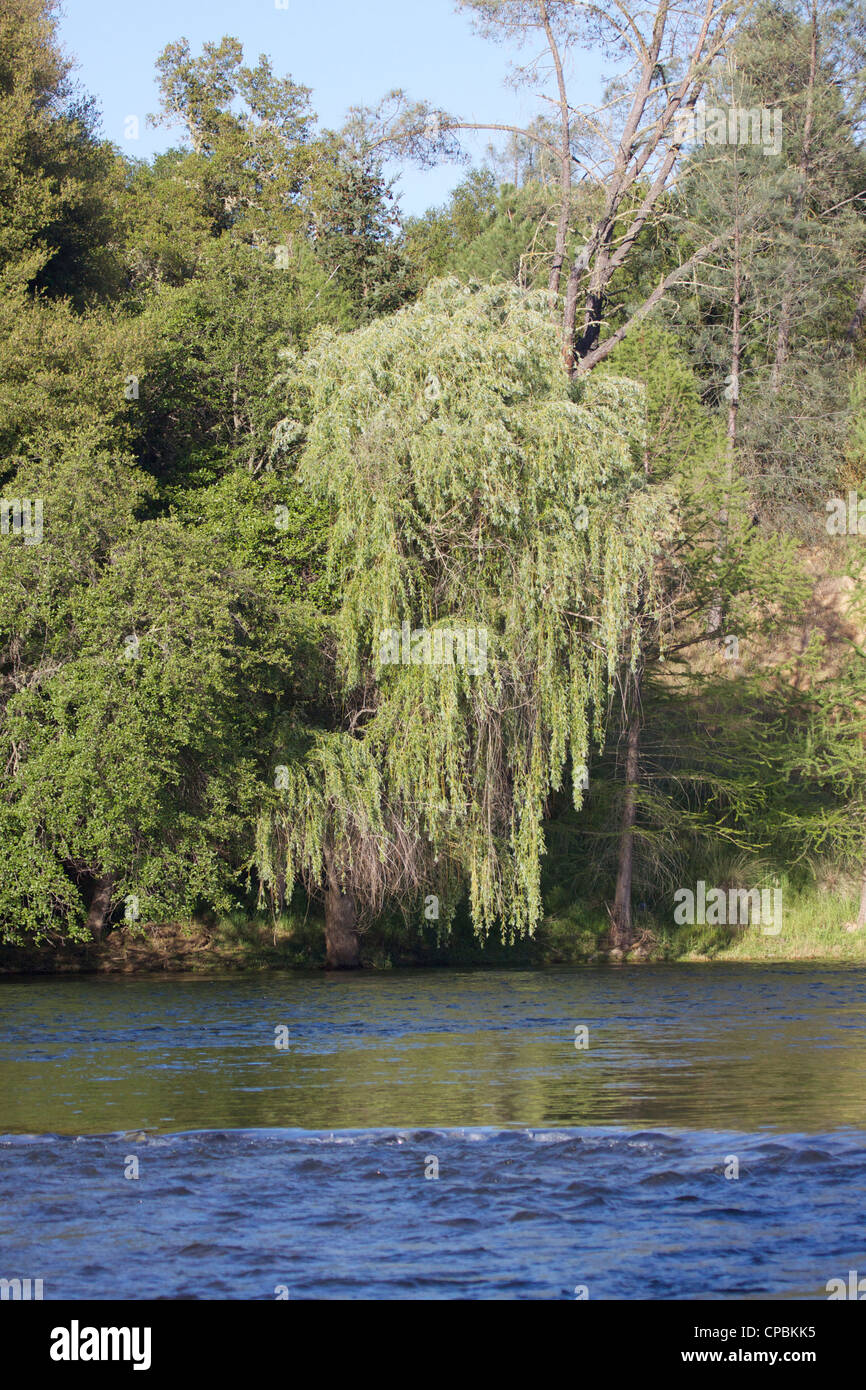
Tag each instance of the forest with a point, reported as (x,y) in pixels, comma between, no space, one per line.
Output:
(470,586)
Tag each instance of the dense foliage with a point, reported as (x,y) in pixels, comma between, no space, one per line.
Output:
(322,581)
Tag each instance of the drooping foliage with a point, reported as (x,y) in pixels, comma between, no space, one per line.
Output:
(264,541)
(486,510)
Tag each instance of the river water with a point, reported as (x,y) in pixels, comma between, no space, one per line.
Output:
(436,1134)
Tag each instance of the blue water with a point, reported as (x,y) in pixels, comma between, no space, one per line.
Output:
(311,1172)
(513,1214)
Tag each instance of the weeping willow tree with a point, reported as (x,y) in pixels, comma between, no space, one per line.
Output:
(492,539)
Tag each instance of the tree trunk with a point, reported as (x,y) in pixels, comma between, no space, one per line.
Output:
(786,317)
(564,221)
(593,313)
(857,322)
(569,318)
(342,944)
(100,906)
(861,917)
(622,932)
(716,615)
(236,418)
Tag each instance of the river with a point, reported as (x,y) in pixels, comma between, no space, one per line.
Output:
(687,1131)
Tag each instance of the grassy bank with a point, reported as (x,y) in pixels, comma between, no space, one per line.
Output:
(814,928)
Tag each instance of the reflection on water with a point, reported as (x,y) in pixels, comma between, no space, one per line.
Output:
(309,1169)
(723,1047)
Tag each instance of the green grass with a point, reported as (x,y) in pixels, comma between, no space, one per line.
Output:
(813,928)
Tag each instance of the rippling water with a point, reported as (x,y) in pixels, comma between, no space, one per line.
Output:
(311,1170)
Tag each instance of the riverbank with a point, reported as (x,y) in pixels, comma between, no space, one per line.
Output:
(816,927)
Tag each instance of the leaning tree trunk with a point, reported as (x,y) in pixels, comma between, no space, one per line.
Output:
(100,906)
(342,944)
(622,931)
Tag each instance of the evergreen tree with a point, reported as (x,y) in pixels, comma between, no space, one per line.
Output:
(58,182)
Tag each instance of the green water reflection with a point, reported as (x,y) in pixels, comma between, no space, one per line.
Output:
(717,1047)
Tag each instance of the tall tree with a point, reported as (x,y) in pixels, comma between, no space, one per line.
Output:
(628,149)
(483,505)
(138,672)
(57,180)
(251,134)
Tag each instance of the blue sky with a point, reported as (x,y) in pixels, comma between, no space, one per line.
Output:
(348,51)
